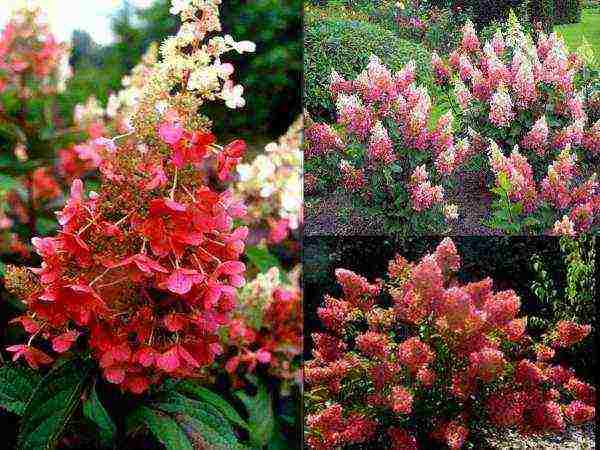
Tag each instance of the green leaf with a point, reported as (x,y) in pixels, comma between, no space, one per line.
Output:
(16,386)
(204,436)
(504,182)
(261,258)
(201,393)
(260,415)
(94,411)
(52,405)
(45,226)
(164,428)
(8,183)
(179,406)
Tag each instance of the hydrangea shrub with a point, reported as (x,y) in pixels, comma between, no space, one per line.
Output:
(383,149)
(437,363)
(530,103)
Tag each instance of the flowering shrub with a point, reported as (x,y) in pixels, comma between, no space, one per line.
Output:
(444,359)
(267,326)
(146,270)
(512,93)
(384,148)
(271,188)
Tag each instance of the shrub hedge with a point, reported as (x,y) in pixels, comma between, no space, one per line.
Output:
(568,11)
(346,47)
(548,12)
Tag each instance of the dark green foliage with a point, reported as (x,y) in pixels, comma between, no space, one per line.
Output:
(95,412)
(52,404)
(260,415)
(346,47)
(16,386)
(568,11)
(542,12)
(571,298)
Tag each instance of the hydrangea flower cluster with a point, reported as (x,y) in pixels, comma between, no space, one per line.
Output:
(145,272)
(443,356)
(515,91)
(271,187)
(266,328)
(95,121)
(30,52)
(383,137)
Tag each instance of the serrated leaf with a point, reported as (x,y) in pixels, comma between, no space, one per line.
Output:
(261,258)
(16,386)
(204,436)
(94,411)
(176,405)
(201,393)
(52,404)
(164,428)
(260,415)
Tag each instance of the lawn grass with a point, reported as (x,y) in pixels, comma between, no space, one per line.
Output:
(589,27)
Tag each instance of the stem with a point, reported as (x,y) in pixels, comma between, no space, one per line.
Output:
(174,184)
(35,334)
(122,136)
(99,277)
(508,207)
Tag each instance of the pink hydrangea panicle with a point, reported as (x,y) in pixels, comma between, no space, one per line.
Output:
(524,85)
(406,76)
(591,140)
(338,85)
(380,149)
(321,139)
(537,138)
(356,117)
(465,68)
(470,41)
(401,400)
(564,227)
(375,83)
(568,333)
(463,94)
(440,70)
(501,109)
(353,178)
(577,412)
(498,43)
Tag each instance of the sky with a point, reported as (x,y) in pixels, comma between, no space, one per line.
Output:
(68,15)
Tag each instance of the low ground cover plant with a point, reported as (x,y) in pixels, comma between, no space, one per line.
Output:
(418,357)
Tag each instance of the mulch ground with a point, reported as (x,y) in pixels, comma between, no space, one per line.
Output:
(574,438)
(333,214)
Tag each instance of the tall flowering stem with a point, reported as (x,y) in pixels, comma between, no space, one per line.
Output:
(442,358)
(144,273)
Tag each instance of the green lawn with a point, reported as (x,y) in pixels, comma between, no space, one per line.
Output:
(588,27)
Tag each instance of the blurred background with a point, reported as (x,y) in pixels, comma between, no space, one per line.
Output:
(108,38)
